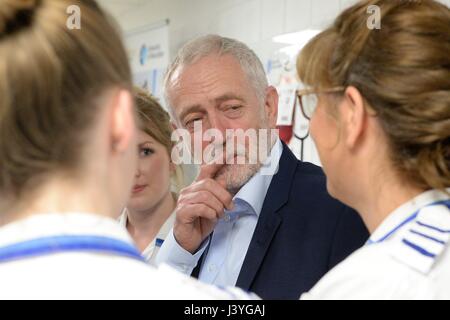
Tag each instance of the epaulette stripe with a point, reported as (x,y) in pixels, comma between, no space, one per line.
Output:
(432,227)
(427,237)
(418,249)
(431,233)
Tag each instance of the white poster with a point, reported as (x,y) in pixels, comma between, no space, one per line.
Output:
(148,51)
(282,74)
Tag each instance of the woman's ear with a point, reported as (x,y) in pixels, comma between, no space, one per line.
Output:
(354,116)
(122,123)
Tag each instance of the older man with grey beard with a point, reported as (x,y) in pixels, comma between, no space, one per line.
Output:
(274,234)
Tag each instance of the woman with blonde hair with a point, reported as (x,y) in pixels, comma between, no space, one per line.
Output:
(67,158)
(379,104)
(149,216)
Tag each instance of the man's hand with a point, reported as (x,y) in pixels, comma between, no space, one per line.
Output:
(199,207)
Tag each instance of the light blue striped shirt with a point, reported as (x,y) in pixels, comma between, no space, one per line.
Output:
(232,234)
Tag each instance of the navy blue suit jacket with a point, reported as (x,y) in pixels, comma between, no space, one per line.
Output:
(301,233)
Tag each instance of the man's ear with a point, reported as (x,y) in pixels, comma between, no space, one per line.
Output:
(271,106)
(123,125)
(354,115)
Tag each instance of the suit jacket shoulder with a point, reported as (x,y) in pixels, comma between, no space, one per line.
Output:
(302,232)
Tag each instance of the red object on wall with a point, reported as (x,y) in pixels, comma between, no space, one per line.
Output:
(286,133)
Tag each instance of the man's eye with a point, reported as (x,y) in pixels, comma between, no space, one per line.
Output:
(234,110)
(190,124)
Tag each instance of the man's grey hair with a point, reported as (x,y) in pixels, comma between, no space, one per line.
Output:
(205,46)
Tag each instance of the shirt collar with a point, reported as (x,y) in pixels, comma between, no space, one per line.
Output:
(162,233)
(402,213)
(254,191)
(167,227)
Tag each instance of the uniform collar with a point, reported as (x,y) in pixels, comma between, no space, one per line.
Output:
(254,191)
(162,233)
(402,213)
(58,224)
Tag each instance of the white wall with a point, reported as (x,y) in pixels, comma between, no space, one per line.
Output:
(254,22)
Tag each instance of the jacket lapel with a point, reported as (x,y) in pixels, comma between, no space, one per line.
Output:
(269,219)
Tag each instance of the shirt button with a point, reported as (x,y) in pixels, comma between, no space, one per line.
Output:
(227,218)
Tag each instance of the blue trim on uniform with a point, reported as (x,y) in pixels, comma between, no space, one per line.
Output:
(159,242)
(432,227)
(427,236)
(421,250)
(409,219)
(71,243)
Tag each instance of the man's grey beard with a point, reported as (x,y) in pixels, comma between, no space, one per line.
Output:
(237,175)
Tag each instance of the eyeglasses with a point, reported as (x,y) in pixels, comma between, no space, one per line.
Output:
(308,99)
